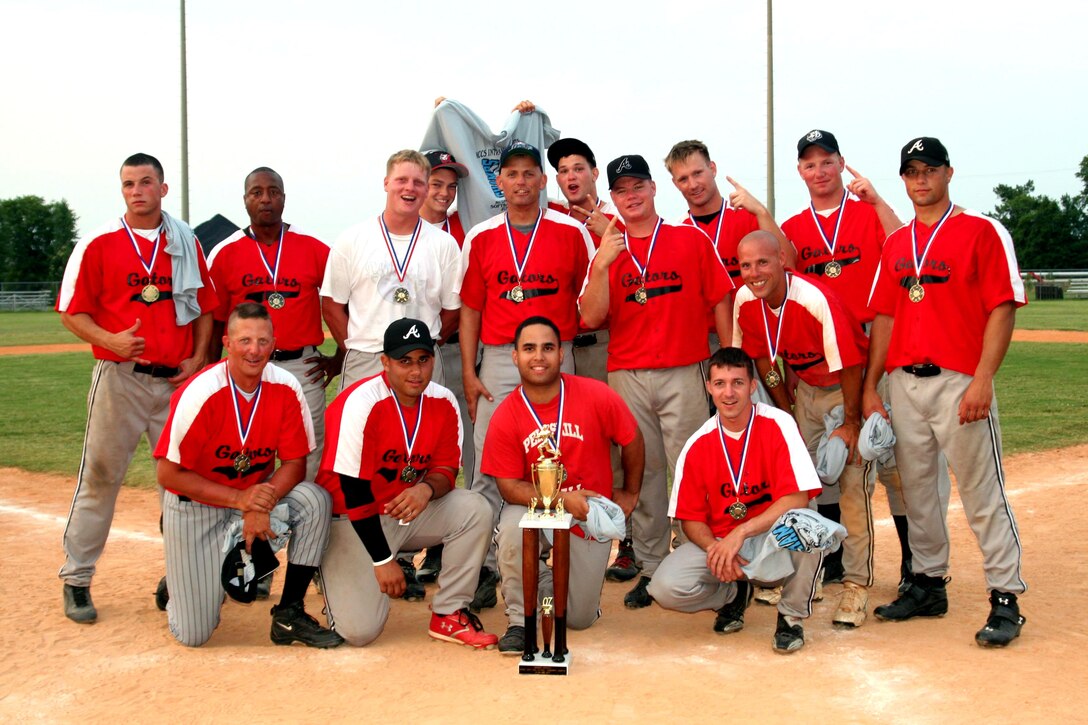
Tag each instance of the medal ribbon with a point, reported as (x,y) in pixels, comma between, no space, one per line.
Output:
(918,263)
(519,266)
(274,271)
(833,242)
(737,474)
(653,243)
(557,439)
(718,231)
(148,266)
(401,269)
(243,431)
(409,441)
(773,349)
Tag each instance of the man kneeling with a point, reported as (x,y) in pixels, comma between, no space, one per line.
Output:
(227,426)
(393,447)
(736,476)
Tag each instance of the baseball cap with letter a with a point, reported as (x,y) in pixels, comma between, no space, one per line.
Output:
(630,165)
(926,149)
(405,335)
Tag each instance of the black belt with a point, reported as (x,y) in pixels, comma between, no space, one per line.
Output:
(155,371)
(585,339)
(285,355)
(453,339)
(925,370)
(185,499)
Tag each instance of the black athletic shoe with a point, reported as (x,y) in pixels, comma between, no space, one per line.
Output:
(904,575)
(624,568)
(788,638)
(833,570)
(291,623)
(486,596)
(78,605)
(638,597)
(926,596)
(513,642)
(413,590)
(431,566)
(1004,622)
(731,617)
(162,595)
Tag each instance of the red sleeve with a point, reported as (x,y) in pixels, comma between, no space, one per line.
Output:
(994,275)
(503,455)
(206,296)
(472,286)
(218,276)
(88,287)
(716,281)
(293,442)
(692,502)
(447,450)
(882,300)
(753,338)
(623,425)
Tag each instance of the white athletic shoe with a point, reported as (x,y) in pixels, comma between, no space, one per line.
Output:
(852,603)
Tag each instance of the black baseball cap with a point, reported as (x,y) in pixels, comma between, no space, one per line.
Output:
(405,335)
(630,165)
(824,139)
(569,147)
(439,159)
(520,148)
(926,149)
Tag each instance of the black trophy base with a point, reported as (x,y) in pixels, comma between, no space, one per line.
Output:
(540,665)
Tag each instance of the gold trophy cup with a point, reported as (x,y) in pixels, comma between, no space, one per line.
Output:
(547,476)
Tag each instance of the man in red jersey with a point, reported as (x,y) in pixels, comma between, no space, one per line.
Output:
(394,445)
(527,261)
(446,173)
(280,266)
(783,314)
(738,474)
(945,299)
(838,240)
(656,283)
(138,291)
(582,419)
(217,464)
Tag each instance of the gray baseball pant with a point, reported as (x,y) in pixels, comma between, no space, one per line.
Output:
(315,401)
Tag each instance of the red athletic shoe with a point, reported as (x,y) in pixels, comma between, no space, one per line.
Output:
(462,627)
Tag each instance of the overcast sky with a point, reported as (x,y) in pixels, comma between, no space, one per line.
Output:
(325,91)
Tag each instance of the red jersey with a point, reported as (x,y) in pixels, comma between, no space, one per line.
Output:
(594,417)
(202,433)
(549,282)
(364,439)
(104,278)
(777,464)
(819,336)
(605,208)
(684,280)
(241,268)
(857,251)
(969,270)
(452,226)
(726,230)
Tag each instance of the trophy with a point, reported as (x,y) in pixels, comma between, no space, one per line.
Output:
(548,475)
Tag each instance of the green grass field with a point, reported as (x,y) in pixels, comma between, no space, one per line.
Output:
(1042,389)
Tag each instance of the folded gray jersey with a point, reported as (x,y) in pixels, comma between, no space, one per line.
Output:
(877,441)
(605,520)
(806,530)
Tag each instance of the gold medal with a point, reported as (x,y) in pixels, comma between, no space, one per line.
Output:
(150,293)
(401,296)
(241,463)
(772,379)
(409,474)
(737,510)
(640,295)
(832,269)
(517,295)
(916,292)
(276,301)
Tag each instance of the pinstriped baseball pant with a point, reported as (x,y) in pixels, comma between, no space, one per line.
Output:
(193,535)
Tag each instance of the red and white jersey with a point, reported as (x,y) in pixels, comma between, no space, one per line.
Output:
(819,336)
(970,269)
(594,417)
(364,439)
(777,464)
(726,230)
(605,207)
(202,433)
(452,225)
(241,268)
(857,250)
(360,274)
(684,281)
(550,279)
(104,278)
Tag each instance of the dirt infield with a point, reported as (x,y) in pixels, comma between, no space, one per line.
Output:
(629,667)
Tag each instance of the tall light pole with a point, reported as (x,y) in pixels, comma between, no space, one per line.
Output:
(185,128)
(770,112)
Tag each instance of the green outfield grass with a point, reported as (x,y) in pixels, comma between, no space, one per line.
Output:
(1054,315)
(33,328)
(1042,389)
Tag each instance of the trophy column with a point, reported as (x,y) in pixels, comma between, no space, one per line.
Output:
(533,663)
